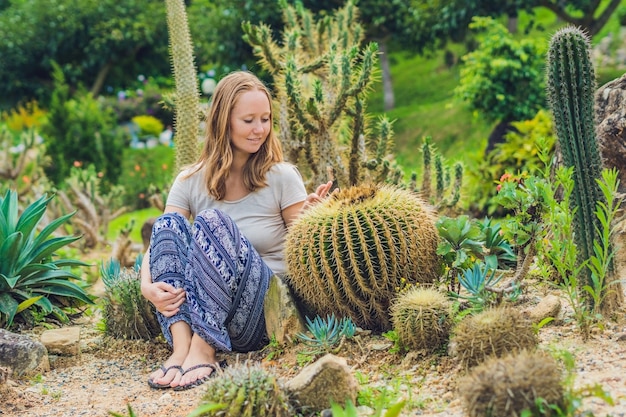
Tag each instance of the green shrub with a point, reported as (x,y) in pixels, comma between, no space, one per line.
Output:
(148,125)
(30,277)
(143,170)
(80,130)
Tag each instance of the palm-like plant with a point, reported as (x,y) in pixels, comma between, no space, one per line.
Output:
(29,276)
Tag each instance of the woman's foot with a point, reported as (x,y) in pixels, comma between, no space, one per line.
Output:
(171,368)
(198,366)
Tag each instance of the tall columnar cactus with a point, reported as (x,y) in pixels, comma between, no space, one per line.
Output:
(187,99)
(351,254)
(571,87)
(322,76)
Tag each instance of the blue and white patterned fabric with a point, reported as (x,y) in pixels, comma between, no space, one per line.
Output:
(224,278)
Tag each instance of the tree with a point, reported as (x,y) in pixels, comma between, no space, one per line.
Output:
(96,42)
(440,21)
(503,78)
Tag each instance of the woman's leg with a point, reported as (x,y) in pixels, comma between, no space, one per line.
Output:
(168,260)
(225,287)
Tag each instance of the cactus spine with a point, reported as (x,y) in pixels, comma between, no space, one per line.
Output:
(351,254)
(321,79)
(571,87)
(187,99)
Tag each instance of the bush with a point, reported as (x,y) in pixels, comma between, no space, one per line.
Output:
(144,170)
(81,130)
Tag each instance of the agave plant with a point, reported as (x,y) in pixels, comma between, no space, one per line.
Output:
(29,274)
(327,333)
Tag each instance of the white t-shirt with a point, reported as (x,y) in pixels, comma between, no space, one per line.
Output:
(257,215)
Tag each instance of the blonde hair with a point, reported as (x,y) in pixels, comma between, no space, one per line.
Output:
(217,155)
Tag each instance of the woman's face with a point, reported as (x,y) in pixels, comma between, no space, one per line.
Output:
(250,122)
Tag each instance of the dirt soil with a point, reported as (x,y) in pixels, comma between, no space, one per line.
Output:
(109,374)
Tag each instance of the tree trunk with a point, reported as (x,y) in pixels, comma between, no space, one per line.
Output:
(498,133)
(512,24)
(100,78)
(389,99)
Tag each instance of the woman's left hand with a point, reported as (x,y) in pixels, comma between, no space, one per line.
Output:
(314,198)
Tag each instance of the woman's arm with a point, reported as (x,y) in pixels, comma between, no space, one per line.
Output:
(166,298)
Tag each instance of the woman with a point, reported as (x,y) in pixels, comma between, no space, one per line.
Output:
(208,279)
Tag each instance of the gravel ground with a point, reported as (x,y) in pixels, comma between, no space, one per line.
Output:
(111,374)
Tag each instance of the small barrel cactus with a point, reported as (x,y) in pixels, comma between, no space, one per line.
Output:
(245,390)
(422,318)
(524,382)
(352,253)
(127,314)
(492,333)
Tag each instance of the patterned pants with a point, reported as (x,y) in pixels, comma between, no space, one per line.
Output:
(224,278)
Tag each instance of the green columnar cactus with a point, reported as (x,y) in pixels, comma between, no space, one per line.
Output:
(422,317)
(351,254)
(571,87)
(187,99)
(447,192)
(322,77)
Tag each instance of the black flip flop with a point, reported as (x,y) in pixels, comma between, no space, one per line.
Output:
(200,381)
(165,370)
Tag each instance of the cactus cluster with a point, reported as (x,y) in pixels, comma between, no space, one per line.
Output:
(524,383)
(492,333)
(127,314)
(245,390)
(422,318)
(352,253)
(322,76)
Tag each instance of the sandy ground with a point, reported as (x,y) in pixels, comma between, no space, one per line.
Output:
(110,374)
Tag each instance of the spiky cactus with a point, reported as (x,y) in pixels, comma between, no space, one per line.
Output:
(524,383)
(126,313)
(492,333)
(322,77)
(571,88)
(422,317)
(245,390)
(187,101)
(351,254)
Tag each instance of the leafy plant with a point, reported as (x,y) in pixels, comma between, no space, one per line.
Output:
(131,413)
(327,333)
(498,252)
(476,281)
(29,274)
(351,411)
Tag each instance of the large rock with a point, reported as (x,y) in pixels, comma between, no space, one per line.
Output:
(20,353)
(64,341)
(610,110)
(326,381)
(282,316)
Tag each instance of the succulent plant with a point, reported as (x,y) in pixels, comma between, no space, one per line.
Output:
(126,313)
(352,253)
(326,333)
(244,390)
(523,383)
(422,317)
(493,332)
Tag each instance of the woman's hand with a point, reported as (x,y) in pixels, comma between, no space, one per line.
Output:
(166,298)
(316,197)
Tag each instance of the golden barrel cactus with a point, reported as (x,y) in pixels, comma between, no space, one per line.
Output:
(524,383)
(352,253)
(422,317)
(494,332)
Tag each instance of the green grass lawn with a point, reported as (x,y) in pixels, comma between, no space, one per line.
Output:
(136,218)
